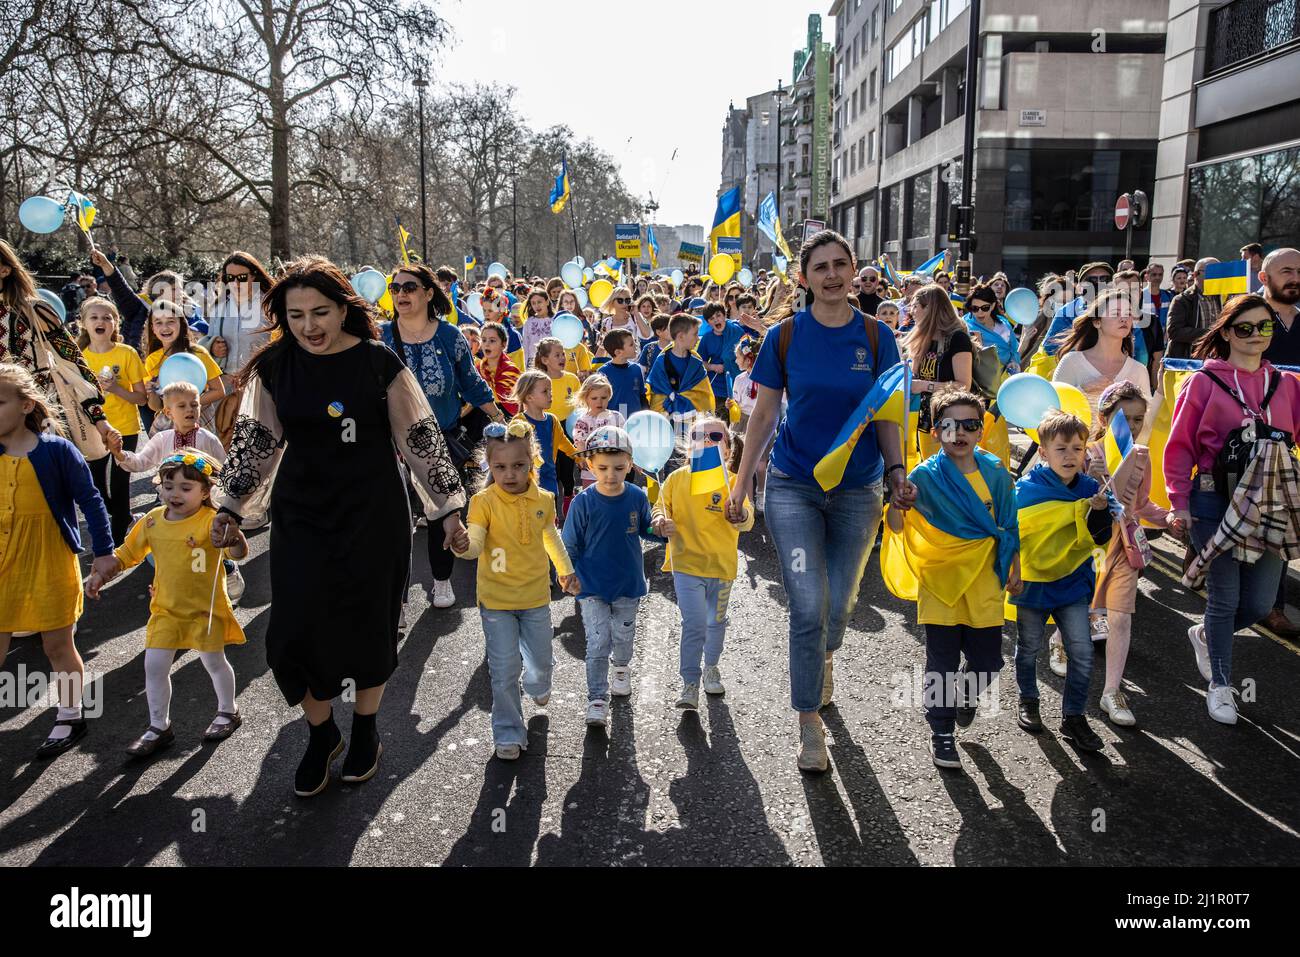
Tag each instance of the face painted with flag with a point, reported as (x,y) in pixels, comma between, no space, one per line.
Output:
(707,472)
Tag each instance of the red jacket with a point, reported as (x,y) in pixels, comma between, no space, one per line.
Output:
(502,383)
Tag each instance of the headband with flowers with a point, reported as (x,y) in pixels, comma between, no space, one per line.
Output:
(190,459)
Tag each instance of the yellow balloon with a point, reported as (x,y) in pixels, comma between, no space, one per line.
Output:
(385,303)
(721,268)
(600,291)
(1072,401)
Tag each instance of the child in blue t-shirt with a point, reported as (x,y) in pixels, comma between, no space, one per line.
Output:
(626,378)
(602,534)
(717,349)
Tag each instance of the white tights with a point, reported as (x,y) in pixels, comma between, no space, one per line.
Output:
(158,683)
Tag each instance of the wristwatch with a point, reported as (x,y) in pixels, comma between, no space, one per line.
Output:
(896,465)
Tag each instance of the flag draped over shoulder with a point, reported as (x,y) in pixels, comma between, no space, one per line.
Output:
(693,381)
(1053,520)
(726,220)
(950,537)
(884,401)
(560,191)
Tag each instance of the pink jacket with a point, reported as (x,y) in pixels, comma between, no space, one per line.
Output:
(1204,415)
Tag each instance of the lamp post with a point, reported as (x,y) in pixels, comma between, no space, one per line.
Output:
(780,95)
(967,210)
(420,83)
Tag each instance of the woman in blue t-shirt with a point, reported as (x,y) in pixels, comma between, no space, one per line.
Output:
(824,538)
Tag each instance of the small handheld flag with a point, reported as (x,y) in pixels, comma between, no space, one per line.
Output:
(1226,279)
(470,262)
(560,191)
(707,473)
(769,221)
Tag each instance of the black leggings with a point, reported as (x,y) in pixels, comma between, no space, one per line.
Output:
(114,484)
(441,559)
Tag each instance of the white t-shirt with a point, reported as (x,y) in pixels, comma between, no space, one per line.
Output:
(741,389)
(1075,369)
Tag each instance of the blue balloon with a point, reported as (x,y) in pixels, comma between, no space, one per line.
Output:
(570,422)
(41,214)
(54,302)
(1021,306)
(1025,398)
(568,329)
(499,269)
(582,263)
(571,273)
(183,367)
(581,295)
(370,284)
(653,440)
(745,277)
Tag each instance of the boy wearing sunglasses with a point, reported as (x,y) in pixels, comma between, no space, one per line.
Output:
(956,553)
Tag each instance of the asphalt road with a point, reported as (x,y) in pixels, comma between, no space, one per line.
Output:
(663,787)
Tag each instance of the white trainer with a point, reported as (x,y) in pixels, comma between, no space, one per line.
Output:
(1099,625)
(758,503)
(598,713)
(812,747)
(508,752)
(620,681)
(443,596)
(689,700)
(1116,708)
(1056,659)
(1196,635)
(1220,704)
(713,680)
(234,585)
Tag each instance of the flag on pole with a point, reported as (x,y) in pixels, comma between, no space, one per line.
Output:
(769,221)
(470,262)
(707,474)
(1226,279)
(726,220)
(560,191)
(653,243)
(402,237)
(928,267)
(886,401)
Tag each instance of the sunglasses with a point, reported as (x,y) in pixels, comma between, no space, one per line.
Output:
(622,301)
(407,287)
(1244,330)
(985,307)
(237,277)
(708,436)
(966,425)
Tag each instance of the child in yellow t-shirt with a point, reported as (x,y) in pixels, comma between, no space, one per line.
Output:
(121,379)
(962,541)
(551,359)
(511,531)
(701,554)
(189,608)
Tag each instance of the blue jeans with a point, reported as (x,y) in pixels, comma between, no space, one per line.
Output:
(823,540)
(518,641)
(703,604)
(1239,594)
(610,627)
(1073,622)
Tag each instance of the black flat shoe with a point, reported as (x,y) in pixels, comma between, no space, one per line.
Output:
(220,730)
(1075,728)
(1027,715)
(53,747)
(324,745)
(143,747)
(363,751)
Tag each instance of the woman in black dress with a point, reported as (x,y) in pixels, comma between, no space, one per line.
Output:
(324,405)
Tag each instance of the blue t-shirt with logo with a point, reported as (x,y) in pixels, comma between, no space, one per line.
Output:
(828,371)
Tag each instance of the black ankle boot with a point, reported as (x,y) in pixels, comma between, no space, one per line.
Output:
(324,745)
(363,752)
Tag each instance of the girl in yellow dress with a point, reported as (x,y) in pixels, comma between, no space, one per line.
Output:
(189,608)
(43,479)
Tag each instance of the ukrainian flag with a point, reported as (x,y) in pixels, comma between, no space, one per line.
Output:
(653,243)
(1053,520)
(1161,417)
(402,237)
(707,473)
(1118,440)
(560,191)
(85,210)
(928,267)
(726,221)
(884,402)
(770,223)
(1226,279)
(891,277)
(470,262)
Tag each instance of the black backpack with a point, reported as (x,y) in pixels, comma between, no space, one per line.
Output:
(1231,462)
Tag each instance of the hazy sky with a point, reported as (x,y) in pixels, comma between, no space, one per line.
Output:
(571,61)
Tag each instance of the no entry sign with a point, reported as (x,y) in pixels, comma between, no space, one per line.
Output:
(1123,210)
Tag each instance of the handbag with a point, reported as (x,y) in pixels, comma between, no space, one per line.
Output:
(70,387)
